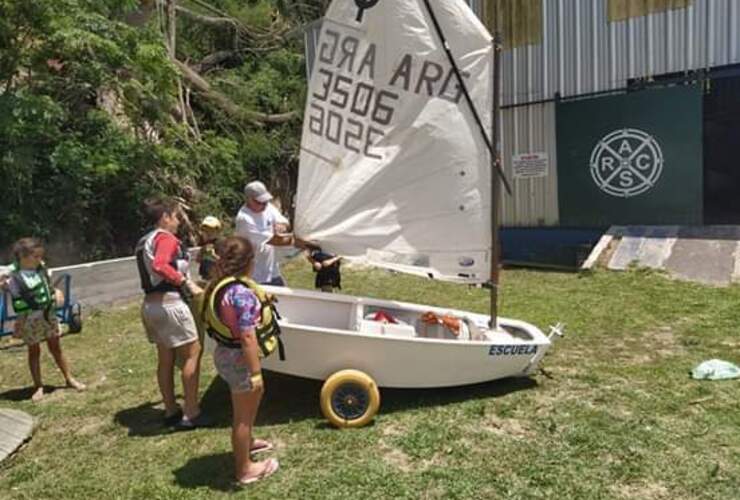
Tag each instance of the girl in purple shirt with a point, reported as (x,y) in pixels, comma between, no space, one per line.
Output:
(239,310)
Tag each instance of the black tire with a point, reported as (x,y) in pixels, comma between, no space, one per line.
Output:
(75,319)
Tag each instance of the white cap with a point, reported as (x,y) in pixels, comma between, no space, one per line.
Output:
(255,190)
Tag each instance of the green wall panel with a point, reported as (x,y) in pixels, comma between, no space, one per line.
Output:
(631,159)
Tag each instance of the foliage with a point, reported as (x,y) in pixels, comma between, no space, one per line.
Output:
(90,120)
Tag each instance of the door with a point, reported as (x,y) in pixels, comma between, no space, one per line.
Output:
(721,147)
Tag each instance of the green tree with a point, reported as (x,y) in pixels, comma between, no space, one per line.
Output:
(103,103)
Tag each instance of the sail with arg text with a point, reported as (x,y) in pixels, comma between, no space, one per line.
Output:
(394,170)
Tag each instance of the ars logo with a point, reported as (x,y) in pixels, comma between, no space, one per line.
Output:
(626,163)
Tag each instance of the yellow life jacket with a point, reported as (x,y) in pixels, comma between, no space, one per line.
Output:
(267,330)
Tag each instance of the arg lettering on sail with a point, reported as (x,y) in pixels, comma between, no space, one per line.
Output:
(626,163)
(362,87)
(394,170)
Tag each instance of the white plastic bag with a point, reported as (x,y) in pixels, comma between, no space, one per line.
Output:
(715,369)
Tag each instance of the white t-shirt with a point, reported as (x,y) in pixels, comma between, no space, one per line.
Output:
(259,228)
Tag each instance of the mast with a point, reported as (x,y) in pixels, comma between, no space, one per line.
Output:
(446,47)
(497,173)
(495,180)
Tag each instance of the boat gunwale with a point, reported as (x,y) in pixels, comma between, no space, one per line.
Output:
(538,337)
(415,339)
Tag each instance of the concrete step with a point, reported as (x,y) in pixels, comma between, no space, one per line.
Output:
(16,428)
(705,254)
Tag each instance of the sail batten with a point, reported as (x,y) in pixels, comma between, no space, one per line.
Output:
(394,170)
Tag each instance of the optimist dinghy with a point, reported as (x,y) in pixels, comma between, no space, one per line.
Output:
(398,169)
(396,345)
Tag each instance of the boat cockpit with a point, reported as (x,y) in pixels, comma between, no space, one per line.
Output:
(344,313)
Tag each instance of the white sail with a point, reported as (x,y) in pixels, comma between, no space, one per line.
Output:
(394,169)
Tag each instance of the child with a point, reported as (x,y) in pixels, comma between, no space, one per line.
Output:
(34,302)
(210,230)
(326,267)
(168,321)
(238,320)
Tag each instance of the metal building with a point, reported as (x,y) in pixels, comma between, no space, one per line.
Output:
(617,112)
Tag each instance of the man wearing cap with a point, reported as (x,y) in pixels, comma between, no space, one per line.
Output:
(261,223)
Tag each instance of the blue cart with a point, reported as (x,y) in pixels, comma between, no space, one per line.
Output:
(69,313)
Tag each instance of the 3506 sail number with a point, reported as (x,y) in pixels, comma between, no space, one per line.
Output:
(350,114)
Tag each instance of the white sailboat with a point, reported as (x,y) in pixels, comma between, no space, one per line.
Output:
(395,171)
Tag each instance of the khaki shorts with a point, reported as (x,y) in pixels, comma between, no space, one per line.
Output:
(34,328)
(167,320)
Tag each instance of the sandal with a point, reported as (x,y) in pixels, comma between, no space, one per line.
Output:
(259,446)
(170,420)
(271,467)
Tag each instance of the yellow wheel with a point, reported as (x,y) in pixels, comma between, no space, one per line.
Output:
(349,398)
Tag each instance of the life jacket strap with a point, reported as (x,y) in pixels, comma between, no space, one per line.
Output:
(221,340)
(273,330)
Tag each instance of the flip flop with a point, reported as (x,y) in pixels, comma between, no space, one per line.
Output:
(271,468)
(262,447)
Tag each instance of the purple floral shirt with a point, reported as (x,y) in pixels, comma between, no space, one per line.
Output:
(239,309)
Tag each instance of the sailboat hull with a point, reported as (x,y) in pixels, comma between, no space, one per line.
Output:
(325,333)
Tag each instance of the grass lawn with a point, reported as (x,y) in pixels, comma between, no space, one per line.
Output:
(614,414)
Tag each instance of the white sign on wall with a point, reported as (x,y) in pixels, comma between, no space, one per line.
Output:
(529,165)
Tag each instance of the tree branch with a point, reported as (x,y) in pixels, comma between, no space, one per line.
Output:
(170,8)
(226,104)
(211,20)
(218,58)
(248,32)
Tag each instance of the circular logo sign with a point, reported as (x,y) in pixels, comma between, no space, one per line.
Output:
(626,163)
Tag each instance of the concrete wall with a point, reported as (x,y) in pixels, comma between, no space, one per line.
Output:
(117,280)
(103,282)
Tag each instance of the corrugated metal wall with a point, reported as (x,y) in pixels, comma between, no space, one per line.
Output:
(583,52)
(534,201)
